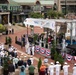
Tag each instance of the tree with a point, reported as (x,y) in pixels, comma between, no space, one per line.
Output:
(39,64)
(54,14)
(5,65)
(53,50)
(2,28)
(36,15)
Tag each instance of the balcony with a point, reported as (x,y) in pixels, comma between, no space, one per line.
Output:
(26,10)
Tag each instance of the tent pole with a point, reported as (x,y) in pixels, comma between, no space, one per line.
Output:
(55,34)
(27,30)
(71,33)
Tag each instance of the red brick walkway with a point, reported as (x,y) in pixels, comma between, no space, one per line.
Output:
(24,31)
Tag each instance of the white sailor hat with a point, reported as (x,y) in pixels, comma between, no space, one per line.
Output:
(65,63)
(52,63)
(57,62)
(75,64)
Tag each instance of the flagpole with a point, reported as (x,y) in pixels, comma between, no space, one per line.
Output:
(27,30)
(55,34)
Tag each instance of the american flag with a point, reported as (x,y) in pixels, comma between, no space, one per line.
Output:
(48,52)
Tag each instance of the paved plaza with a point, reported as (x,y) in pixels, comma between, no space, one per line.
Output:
(23,30)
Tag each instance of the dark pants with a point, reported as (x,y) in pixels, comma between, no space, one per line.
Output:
(42,73)
(31,73)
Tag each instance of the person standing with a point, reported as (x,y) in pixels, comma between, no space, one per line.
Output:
(65,68)
(22,72)
(33,49)
(32,59)
(11,68)
(63,44)
(12,31)
(74,69)
(28,61)
(45,60)
(31,69)
(51,69)
(57,68)
(29,50)
(42,69)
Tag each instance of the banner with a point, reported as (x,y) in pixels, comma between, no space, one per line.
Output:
(47,52)
(40,22)
(42,50)
(69,57)
(37,48)
(75,58)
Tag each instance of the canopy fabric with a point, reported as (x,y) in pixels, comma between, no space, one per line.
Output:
(40,22)
(46,23)
(34,22)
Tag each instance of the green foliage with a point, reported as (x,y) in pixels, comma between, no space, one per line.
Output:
(5,63)
(55,55)
(15,39)
(53,50)
(60,14)
(2,28)
(35,36)
(36,15)
(54,14)
(39,64)
(8,40)
(60,59)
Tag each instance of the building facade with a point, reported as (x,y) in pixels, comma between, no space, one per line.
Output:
(67,6)
(20,9)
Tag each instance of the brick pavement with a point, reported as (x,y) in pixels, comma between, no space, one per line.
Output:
(20,31)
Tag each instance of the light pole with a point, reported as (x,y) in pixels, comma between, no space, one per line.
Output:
(71,32)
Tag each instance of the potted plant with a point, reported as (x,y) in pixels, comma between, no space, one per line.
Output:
(53,50)
(15,39)
(10,40)
(61,60)
(58,57)
(39,64)
(5,65)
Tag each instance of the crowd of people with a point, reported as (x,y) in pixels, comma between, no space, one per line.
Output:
(56,68)
(15,61)
(21,63)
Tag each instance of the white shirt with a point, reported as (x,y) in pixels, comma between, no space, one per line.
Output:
(31,60)
(74,70)
(65,68)
(15,60)
(57,67)
(51,69)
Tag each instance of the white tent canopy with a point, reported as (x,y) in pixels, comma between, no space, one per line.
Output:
(50,23)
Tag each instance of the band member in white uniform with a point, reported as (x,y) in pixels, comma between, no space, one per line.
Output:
(57,68)
(65,68)
(74,69)
(51,69)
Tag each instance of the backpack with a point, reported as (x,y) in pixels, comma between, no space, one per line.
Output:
(22,69)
